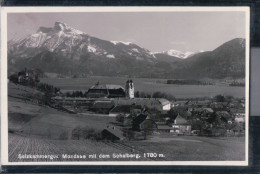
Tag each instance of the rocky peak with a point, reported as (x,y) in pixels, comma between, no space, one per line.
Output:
(44,30)
(61,26)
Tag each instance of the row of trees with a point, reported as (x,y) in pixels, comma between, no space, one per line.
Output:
(76,94)
(156,94)
(235,83)
(47,88)
(188,82)
(138,94)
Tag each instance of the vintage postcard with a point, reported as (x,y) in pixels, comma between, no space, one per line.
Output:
(125,85)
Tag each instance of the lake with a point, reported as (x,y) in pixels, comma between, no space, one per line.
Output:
(148,86)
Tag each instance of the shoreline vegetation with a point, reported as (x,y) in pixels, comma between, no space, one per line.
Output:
(229,81)
(188,82)
(207,81)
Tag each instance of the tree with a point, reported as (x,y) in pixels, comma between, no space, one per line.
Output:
(68,94)
(120,118)
(137,94)
(219,98)
(172,114)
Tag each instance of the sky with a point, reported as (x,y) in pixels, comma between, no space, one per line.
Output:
(155,31)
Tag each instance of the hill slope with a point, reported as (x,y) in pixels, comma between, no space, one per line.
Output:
(228,60)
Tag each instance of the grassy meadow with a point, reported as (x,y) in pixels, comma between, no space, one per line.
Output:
(175,148)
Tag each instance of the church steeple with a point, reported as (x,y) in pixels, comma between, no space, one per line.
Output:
(129,89)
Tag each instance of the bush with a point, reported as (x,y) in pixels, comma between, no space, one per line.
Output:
(76,133)
(85,133)
(64,135)
(219,98)
(14,78)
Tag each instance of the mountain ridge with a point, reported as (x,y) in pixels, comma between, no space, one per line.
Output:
(65,50)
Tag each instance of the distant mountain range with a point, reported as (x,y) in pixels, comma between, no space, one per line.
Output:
(68,51)
(178,54)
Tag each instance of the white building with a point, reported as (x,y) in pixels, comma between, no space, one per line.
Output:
(165,104)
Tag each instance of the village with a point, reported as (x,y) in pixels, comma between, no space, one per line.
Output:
(140,117)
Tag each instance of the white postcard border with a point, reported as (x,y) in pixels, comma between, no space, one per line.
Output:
(4,81)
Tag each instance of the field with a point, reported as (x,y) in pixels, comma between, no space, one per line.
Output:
(39,146)
(184,148)
(148,85)
(49,123)
(194,148)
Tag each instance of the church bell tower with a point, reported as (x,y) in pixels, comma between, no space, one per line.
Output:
(129,89)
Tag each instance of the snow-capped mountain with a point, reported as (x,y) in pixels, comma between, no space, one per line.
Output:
(72,43)
(178,54)
(64,50)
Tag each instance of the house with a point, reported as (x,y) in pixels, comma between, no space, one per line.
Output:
(240,119)
(148,125)
(112,133)
(165,104)
(208,110)
(181,126)
(124,109)
(203,103)
(179,103)
(240,114)
(102,106)
(237,112)
(190,103)
(201,110)
(143,122)
(137,121)
(29,77)
(224,116)
(217,106)
(155,104)
(23,76)
(165,129)
(59,100)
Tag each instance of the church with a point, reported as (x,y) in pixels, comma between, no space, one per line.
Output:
(111,91)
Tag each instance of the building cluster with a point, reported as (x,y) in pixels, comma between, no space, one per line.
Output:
(25,77)
(213,117)
(163,116)
(111,100)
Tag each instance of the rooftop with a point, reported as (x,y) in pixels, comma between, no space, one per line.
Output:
(106,86)
(164,101)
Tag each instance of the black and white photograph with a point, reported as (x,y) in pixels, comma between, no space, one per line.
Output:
(125,85)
